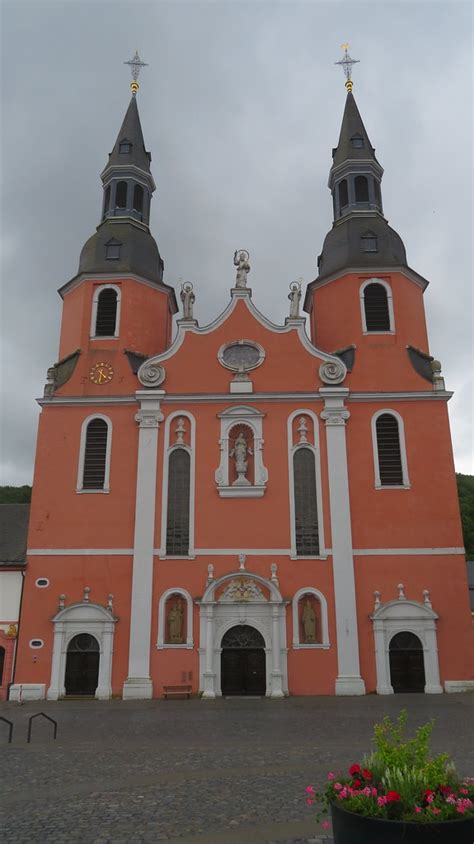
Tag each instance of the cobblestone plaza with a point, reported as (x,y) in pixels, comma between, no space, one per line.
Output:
(208,772)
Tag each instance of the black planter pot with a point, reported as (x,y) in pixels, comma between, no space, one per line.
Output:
(349,828)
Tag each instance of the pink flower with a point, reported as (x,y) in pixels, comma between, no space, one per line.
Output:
(309,789)
(309,802)
(373,792)
(331,776)
(463,791)
(368,791)
(418,809)
(451,799)
(343,793)
(381,801)
(435,811)
(461,809)
(337,786)
(326,824)
(430,797)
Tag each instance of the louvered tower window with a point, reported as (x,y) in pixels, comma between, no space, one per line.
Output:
(95,455)
(377,315)
(343,194)
(121,195)
(388,449)
(361,189)
(177,526)
(106,318)
(138,198)
(306,510)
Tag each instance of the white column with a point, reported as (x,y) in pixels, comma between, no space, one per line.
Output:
(104,684)
(433,685)
(209,675)
(277,690)
(138,683)
(384,686)
(56,688)
(349,681)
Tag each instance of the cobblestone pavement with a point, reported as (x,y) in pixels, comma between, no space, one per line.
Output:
(195,772)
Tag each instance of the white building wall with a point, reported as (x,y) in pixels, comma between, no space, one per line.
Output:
(10,595)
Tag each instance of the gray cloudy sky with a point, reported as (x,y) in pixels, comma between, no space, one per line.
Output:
(240,107)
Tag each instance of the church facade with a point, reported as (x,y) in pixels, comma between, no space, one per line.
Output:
(244,509)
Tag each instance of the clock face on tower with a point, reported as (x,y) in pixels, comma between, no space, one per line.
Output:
(101,373)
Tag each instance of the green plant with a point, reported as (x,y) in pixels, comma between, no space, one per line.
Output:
(399,780)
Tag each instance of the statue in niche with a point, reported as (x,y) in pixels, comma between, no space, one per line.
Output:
(175,624)
(294,296)
(239,452)
(241,261)
(309,623)
(188,298)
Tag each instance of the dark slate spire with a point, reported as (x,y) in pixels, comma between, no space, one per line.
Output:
(352,128)
(130,147)
(360,237)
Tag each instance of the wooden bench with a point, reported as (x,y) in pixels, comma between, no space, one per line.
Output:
(178,690)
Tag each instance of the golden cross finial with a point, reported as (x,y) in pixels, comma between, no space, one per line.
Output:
(136,65)
(346,63)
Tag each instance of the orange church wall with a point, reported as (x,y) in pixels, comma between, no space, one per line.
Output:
(145,319)
(427,514)
(68,575)
(445,578)
(62,518)
(234,522)
(336,322)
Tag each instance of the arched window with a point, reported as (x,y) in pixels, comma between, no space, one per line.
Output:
(138,198)
(121,195)
(376,308)
(106,200)
(94,457)
(389,453)
(106,316)
(343,194)
(177,522)
(306,508)
(361,189)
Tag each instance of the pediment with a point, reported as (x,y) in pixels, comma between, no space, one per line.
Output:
(242,590)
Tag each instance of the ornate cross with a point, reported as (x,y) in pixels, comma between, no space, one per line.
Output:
(346,63)
(136,65)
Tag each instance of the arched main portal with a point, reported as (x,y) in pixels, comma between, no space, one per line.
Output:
(243,669)
(82,665)
(407,665)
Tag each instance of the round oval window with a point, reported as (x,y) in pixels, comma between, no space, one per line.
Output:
(42,582)
(36,643)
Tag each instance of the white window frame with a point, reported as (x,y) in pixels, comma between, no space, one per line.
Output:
(325,644)
(391,315)
(291,475)
(95,303)
(161,643)
(82,454)
(167,451)
(403,454)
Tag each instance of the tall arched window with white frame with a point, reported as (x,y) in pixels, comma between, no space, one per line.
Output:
(376,305)
(94,455)
(177,521)
(105,316)
(305,486)
(390,459)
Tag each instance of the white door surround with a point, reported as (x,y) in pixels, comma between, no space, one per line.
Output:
(400,616)
(69,622)
(242,602)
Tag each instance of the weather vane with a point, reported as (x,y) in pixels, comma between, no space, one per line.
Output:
(346,63)
(136,65)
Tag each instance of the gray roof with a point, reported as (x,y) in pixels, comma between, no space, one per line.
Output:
(342,245)
(13,533)
(131,131)
(352,125)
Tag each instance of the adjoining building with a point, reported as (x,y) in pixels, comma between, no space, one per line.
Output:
(244,509)
(13,535)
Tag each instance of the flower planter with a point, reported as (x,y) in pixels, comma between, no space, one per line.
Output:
(350,828)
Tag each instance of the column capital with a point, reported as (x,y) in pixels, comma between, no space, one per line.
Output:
(335,411)
(149,418)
